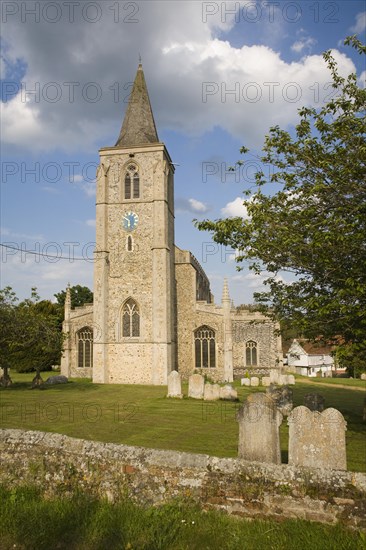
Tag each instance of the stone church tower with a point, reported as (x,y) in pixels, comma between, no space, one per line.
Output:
(134,274)
(153,310)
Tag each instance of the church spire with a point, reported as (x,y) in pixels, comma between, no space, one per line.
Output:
(138,127)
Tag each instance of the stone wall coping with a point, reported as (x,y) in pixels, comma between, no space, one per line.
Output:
(144,457)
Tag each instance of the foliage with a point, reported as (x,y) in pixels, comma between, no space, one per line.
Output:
(81,521)
(80,295)
(31,337)
(314,226)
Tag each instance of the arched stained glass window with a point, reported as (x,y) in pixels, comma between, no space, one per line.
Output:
(130,319)
(84,340)
(251,353)
(205,349)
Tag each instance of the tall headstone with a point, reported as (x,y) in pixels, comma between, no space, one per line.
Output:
(254,381)
(259,422)
(274,374)
(175,385)
(317,439)
(314,402)
(196,384)
(282,397)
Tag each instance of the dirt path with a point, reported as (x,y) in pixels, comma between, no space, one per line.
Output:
(320,384)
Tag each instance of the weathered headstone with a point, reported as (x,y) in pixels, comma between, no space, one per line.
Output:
(314,401)
(259,422)
(175,385)
(245,381)
(317,439)
(254,381)
(282,379)
(266,381)
(52,380)
(228,393)
(363,376)
(282,397)
(273,374)
(211,392)
(291,379)
(196,384)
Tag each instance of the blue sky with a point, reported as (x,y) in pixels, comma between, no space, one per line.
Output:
(219,75)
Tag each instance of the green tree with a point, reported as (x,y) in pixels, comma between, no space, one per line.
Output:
(8,302)
(79,295)
(314,226)
(31,336)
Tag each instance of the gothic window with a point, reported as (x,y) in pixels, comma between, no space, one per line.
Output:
(204,342)
(132,182)
(84,340)
(130,319)
(129,245)
(251,353)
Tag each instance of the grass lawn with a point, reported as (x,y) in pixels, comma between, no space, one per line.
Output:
(143,416)
(30,522)
(352,382)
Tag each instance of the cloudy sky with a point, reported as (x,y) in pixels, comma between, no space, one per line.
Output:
(219,75)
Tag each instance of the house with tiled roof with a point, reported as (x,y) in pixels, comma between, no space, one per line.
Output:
(307,358)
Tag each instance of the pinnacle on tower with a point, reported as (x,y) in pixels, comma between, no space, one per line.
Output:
(138,126)
(225,292)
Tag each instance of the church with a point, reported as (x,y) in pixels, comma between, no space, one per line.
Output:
(153,310)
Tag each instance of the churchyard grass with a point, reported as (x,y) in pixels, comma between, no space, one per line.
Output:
(31,522)
(143,416)
(352,382)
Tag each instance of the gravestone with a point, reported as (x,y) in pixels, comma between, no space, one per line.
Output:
(273,374)
(211,392)
(291,379)
(245,381)
(259,422)
(266,381)
(228,393)
(317,439)
(282,379)
(314,402)
(175,385)
(282,397)
(363,376)
(254,381)
(196,384)
(60,379)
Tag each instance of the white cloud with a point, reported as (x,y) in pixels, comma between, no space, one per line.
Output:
(190,205)
(362,80)
(303,44)
(90,223)
(235,208)
(189,78)
(360,25)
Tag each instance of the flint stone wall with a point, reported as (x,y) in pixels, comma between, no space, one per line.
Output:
(60,464)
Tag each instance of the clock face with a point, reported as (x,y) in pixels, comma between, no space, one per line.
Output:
(130,221)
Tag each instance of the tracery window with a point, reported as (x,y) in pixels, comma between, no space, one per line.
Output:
(205,349)
(251,353)
(130,319)
(84,339)
(132,182)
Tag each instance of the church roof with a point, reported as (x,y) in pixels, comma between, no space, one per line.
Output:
(138,127)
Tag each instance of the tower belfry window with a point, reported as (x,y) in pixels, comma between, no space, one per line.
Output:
(132,182)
